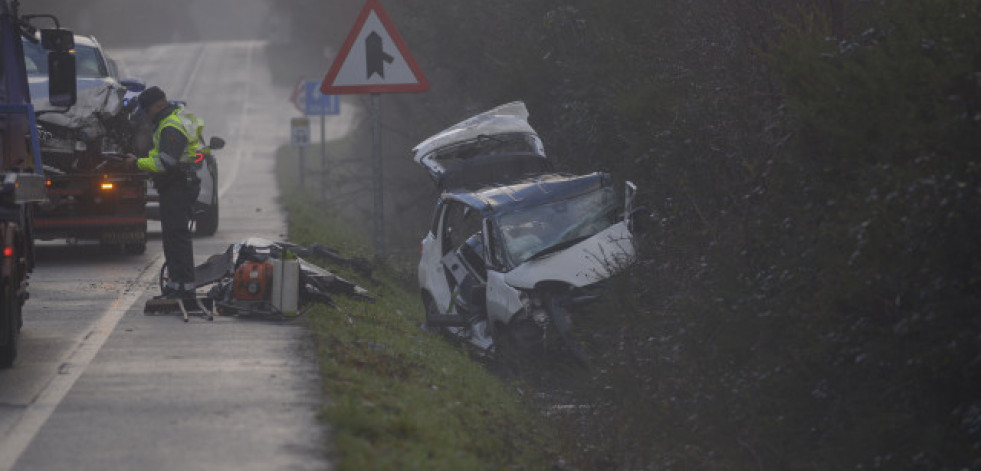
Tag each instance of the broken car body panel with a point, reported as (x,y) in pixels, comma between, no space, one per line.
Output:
(494,147)
(564,229)
(592,260)
(100,94)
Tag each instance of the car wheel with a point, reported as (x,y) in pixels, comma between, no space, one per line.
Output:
(561,321)
(431,310)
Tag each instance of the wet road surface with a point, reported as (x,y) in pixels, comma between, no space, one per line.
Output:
(100,385)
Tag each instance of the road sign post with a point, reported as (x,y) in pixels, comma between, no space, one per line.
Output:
(374,59)
(300,138)
(376,151)
(316,103)
(308,99)
(323,158)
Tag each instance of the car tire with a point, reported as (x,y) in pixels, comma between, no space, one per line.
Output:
(430,306)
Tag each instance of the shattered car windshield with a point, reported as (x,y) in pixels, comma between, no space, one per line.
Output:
(537,231)
(88,60)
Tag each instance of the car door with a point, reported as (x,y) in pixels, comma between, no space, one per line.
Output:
(461,260)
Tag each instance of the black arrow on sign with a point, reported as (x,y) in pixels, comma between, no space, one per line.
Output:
(375,55)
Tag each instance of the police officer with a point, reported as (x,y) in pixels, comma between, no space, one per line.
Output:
(171,164)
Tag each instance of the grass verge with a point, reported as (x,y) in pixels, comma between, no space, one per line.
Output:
(399,397)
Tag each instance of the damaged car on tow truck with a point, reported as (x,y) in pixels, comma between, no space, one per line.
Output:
(515,250)
(90,193)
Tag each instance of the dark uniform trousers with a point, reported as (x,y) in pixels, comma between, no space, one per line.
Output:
(176,206)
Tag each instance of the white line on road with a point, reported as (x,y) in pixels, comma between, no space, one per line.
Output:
(38,412)
(240,131)
(185,90)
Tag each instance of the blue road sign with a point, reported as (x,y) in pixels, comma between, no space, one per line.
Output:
(319,104)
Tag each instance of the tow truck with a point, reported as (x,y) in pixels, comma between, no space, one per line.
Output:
(91,195)
(21,169)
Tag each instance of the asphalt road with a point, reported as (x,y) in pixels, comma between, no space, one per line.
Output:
(100,385)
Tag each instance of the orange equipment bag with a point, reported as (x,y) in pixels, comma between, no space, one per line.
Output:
(253,281)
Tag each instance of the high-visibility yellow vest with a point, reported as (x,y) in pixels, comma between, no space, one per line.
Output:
(189,125)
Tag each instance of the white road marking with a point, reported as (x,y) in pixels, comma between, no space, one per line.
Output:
(37,413)
(226,183)
(194,72)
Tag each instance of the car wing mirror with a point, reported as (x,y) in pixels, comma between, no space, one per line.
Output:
(62,89)
(216,143)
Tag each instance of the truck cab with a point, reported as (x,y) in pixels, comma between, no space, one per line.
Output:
(21,170)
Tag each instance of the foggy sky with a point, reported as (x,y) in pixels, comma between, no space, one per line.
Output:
(123,23)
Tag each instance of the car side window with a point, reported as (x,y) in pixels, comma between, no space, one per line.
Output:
(459,223)
(89,62)
(36,58)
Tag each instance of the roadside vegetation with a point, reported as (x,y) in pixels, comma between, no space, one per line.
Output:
(809,288)
(809,291)
(400,397)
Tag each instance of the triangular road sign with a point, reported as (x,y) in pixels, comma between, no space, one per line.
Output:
(374,59)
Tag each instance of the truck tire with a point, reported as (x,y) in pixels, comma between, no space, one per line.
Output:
(11,325)
(134,249)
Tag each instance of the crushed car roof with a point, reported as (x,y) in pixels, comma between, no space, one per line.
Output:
(531,192)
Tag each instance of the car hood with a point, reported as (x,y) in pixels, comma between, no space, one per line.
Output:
(97,98)
(474,160)
(594,259)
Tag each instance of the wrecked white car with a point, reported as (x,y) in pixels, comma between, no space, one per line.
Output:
(73,138)
(514,249)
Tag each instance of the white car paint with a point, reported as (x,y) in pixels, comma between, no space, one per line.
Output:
(509,285)
(583,264)
(508,118)
(430,271)
(503,299)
